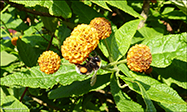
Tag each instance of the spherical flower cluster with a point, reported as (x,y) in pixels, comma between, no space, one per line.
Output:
(139,58)
(102,26)
(83,40)
(14,40)
(49,62)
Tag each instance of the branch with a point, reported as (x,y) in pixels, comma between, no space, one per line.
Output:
(144,13)
(23,94)
(22,8)
(50,42)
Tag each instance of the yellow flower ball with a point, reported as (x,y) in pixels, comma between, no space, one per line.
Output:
(49,62)
(103,27)
(80,44)
(139,58)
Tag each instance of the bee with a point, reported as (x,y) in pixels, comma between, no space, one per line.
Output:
(92,64)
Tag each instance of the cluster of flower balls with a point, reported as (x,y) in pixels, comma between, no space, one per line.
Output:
(77,47)
(83,40)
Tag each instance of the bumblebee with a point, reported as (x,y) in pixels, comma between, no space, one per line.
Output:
(92,64)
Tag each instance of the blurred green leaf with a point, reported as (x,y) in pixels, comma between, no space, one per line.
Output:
(32,29)
(176,14)
(165,49)
(27,53)
(7,58)
(102,4)
(122,100)
(124,7)
(57,8)
(36,40)
(50,23)
(167,10)
(13,24)
(84,12)
(80,87)
(5,17)
(175,73)
(10,103)
(121,40)
(166,97)
(62,32)
(181,4)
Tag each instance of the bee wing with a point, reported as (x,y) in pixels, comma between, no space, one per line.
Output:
(94,78)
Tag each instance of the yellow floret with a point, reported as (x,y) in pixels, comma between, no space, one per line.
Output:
(103,27)
(139,58)
(80,44)
(49,62)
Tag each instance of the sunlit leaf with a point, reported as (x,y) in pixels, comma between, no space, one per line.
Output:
(175,73)
(122,100)
(80,87)
(121,40)
(166,97)
(165,49)
(124,7)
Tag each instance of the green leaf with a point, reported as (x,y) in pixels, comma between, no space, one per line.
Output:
(84,12)
(37,41)
(5,17)
(50,23)
(27,53)
(121,40)
(149,104)
(102,4)
(147,32)
(62,32)
(166,97)
(14,24)
(167,10)
(174,73)
(57,8)
(35,78)
(32,29)
(124,7)
(80,87)
(122,100)
(10,103)
(181,4)
(124,69)
(104,44)
(165,49)
(7,58)
(176,14)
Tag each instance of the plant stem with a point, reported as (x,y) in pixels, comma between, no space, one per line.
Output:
(6,28)
(22,8)
(23,94)
(144,13)
(6,32)
(47,40)
(50,42)
(115,63)
(121,86)
(5,8)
